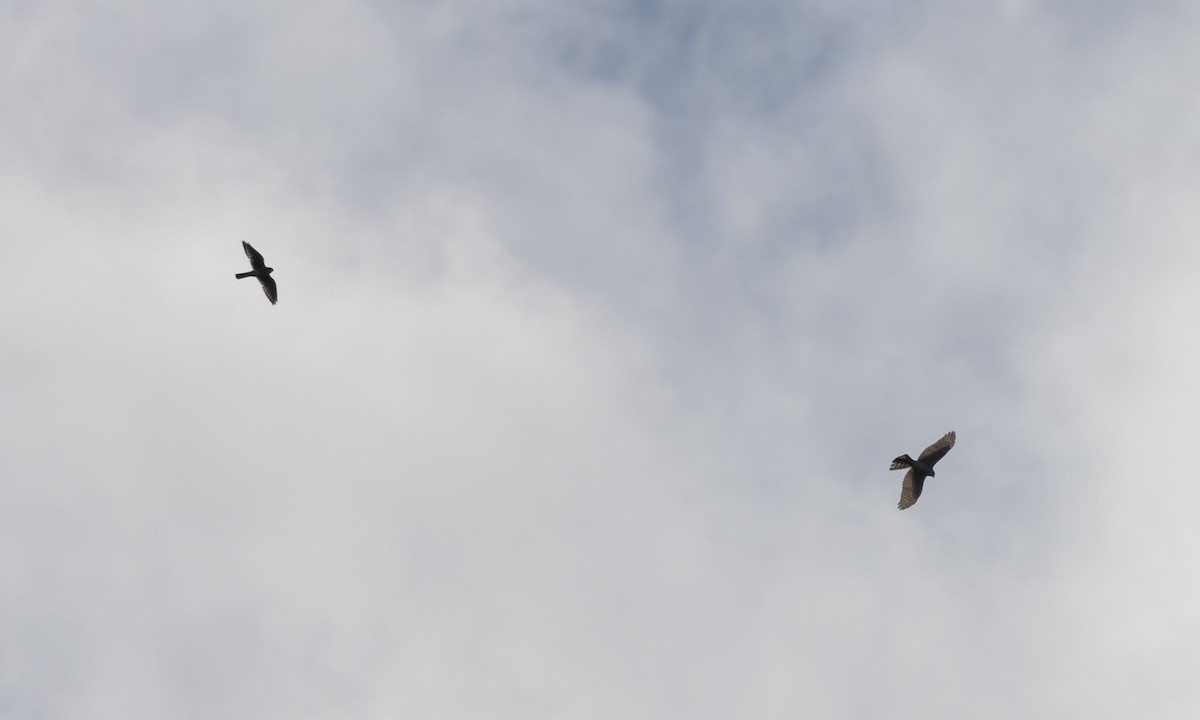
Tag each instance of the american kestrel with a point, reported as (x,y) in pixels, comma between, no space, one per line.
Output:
(260,271)
(920,468)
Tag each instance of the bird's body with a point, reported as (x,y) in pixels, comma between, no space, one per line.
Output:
(921,468)
(260,271)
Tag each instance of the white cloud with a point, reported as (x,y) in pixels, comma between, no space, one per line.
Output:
(598,327)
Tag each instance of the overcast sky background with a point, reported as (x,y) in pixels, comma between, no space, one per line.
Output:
(599,325)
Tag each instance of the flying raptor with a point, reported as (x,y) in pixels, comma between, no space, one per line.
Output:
(920,468)
(260,271)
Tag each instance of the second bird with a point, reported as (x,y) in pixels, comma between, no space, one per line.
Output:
(260,271)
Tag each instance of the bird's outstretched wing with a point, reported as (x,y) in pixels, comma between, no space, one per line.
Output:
(256,259)
(913,484)
(936,451)
(268,284)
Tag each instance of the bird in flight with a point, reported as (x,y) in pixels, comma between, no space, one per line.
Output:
(920,468)
(260,271)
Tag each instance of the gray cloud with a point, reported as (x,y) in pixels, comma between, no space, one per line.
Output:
(598,327)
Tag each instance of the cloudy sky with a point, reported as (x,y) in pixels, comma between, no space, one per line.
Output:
(599,325)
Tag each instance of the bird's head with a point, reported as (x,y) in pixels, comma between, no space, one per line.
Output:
(932,473)
(269,270)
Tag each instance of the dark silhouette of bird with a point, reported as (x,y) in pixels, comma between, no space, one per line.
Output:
(260,271)
(920,468)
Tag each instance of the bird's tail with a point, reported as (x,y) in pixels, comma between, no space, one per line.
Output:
(239,276)
(901,462)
